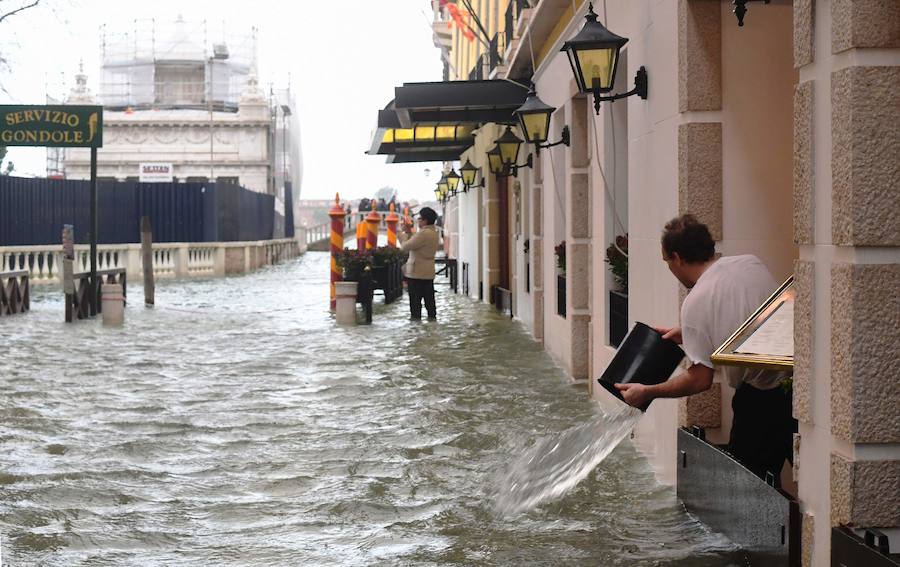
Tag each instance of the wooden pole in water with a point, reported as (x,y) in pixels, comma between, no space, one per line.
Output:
(147,261)
(337,214)
(392,219)
(68,270)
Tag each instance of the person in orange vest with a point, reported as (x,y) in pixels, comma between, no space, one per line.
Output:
(419,268)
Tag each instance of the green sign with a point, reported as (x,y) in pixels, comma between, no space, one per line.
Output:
(52,126)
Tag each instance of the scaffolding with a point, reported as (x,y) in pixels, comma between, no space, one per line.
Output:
(178,64)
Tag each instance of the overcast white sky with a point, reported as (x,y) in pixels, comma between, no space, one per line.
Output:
(344,60)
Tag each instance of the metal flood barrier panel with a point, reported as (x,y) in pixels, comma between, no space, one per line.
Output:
(733,501)
(850,550)
(33,211)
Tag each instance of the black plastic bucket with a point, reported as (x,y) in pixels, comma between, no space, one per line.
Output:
(644,357)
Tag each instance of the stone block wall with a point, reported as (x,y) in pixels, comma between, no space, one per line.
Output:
(847,307)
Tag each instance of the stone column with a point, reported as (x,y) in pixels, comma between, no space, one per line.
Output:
(847,225)
(491,243)
(219,261)
(536,251)
(180,254)
(700,179)
(578,240)
(132,263)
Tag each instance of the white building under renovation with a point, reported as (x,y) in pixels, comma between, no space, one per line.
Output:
(183,103)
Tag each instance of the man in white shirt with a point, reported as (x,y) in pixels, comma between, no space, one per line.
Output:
(723,293)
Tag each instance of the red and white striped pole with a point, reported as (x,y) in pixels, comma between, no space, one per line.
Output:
(337,214)
(392,219)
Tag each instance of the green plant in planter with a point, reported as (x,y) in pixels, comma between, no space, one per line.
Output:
(617,258)
(560,251)
(384,255)
(353,263)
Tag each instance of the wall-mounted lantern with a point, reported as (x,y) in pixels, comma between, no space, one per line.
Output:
(594,55)
(534,117)
(469,173)
(509,145)
(443,187)
(495,162)
(501,169)
(453,182)
(740,9)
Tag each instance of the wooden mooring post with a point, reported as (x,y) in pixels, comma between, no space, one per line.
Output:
(147,261)
(68,270)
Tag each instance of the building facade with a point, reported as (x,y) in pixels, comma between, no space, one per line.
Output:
(780,133)
(185,107)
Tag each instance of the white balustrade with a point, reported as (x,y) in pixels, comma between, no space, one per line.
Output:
(164,261)
(201,260)
(41,262)
(44,263)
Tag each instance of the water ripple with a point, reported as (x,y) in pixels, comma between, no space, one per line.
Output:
(234,424)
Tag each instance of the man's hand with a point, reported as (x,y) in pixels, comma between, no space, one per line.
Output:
(673,334)
(406,227)
(634,393)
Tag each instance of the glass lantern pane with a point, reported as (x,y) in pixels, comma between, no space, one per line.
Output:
(509,152)
(388,137)
(468,176)
(495,162)
(536,126)
(576,70)
(597,63)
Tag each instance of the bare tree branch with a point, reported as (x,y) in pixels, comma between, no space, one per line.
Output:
(17,10)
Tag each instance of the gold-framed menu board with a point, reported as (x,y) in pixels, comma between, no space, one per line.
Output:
(766,339)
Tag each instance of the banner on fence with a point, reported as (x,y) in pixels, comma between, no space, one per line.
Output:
(156,173)
(54,126)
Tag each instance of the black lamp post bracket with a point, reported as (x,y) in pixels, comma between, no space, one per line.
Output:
(740,9)
(514,169)
(640,89)
(564,140)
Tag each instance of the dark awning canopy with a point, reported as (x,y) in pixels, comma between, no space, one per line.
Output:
(458,101)
(435,121)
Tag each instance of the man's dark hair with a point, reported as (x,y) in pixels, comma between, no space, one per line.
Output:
(428,214)
(689,238)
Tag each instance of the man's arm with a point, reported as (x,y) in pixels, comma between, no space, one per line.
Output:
(415,241)
(698,378)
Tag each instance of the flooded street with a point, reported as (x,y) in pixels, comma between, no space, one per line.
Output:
(235,424)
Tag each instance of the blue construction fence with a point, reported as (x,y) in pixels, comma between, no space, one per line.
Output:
(33,211)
